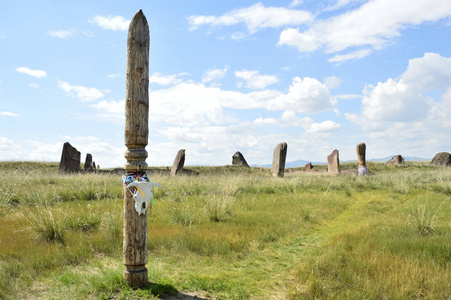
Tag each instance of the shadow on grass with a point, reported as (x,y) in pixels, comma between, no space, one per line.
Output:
(169,292)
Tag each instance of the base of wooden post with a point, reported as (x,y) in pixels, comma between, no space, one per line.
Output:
(136,276)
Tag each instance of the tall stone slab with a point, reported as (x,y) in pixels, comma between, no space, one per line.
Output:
(238,160)
(396,160)
(136,138)
(333,163)
(308,167)
(179,162)
(70,159)
(278,160)
(88,163)
(361,156)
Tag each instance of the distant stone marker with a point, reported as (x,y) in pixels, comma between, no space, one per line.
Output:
(396,160)
(70,159)
(94,165)
(442,159)
(308,167)
(278,160)
(88,163)
(361,154)
(179,162)
(238,160)
(333,163)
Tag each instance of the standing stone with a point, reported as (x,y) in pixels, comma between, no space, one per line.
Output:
(361,154)
(70,159)
(136,138)
(308,167)
(88,163)
(179,162)
(333,163)
(278,160)
(396,160)
(442,159)
(94,165)
(238,160)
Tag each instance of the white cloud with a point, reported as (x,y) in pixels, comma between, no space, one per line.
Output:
(256,81)
(255,18)
(165,80)
(213,74)
(34,73)
(9,114)
(111,106)
(324,127)
(85,94)
(349,96)
(306,95)
(429,72)
(33,85)
(393,101)
(295,3)
(111,22)
(114,76)
(62,34)
(373,24)
(339,4)
(353,55)
(332,82)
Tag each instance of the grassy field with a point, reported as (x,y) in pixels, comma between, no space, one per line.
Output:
(231,233)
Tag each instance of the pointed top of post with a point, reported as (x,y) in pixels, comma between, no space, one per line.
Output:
(139,28)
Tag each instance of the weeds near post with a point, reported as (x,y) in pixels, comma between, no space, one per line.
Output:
(46,226)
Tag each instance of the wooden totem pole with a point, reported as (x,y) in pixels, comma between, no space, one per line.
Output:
(136,135)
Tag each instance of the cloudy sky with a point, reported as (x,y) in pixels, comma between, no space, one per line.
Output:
(228,76)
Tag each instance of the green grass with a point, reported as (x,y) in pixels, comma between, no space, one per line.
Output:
(231,233)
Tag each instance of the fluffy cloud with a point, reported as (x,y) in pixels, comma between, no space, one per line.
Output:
(403,100)
(332,82)
(165,80)
(324,127)
(255,18)
(254,80)
(34,73)
(62,34)
(393,101)
(213,74)
(306,95)
(371,25)
(85,94)
(429,72)
(397,115)
(111,22)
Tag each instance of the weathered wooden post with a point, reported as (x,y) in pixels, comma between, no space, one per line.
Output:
(136,135)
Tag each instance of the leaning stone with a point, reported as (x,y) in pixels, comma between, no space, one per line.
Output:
(396,160)
(70,159)
(333,163)
(179,162)
(238,160)
(278,160)
(88,163)
(308,167)
(442,159)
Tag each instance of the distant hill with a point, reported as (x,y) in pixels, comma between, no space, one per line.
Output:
(302,163)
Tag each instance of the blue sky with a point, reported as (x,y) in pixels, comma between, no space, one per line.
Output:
(228,76)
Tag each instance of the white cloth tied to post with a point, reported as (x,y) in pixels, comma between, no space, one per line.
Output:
(142,194)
